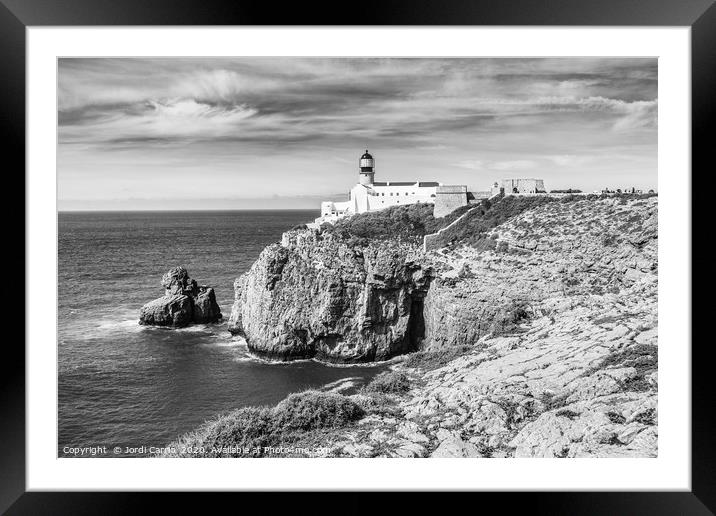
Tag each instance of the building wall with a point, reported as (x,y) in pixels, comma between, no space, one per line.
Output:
(523,185)
(377,197)
(381,197)
(449,198)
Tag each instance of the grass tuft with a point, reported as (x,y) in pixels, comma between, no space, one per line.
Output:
(389,382)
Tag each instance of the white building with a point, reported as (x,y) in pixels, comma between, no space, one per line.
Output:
(369,195)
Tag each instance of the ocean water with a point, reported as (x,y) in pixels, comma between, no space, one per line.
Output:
(121,384)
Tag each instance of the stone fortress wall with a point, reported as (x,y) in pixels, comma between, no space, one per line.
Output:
(448,199)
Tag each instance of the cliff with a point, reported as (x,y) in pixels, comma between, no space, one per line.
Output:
(339,296)
(538,335)
(573,370)
(314,295)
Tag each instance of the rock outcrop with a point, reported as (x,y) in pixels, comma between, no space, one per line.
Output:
(544,344)
(576,377)
(314,295)
(184,302)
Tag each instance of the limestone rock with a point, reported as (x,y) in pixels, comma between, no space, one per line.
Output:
(319,297)
(206,309)
(558,344)
(183,303)
(171,310)
(455,447)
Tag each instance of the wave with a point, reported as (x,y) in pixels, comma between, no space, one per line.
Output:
(251,357)
(343,384)
(116,325)
(382,363)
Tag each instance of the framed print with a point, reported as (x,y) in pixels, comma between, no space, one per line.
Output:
(410,251)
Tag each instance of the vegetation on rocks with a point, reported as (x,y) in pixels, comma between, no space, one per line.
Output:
(541,343)
(409,223)
(389,382)
(253,431)
(474,230)
(430,360)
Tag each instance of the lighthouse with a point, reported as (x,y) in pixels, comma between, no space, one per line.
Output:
(367,169)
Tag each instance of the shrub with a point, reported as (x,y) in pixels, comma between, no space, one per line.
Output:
(642,357)
(553,401)
(474,229)
(648,417)
(255,428)
(502,247)
(609,240)
(569,414)
(465,272)
(616,418)
(378,403)
(411,222)
(508,318)
(247,427)
(389,382)
(312,409)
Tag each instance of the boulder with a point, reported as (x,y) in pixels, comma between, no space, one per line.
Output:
(206,309)
(184,302)
(174,310)
(176,281)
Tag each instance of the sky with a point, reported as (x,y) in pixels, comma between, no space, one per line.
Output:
(253,133)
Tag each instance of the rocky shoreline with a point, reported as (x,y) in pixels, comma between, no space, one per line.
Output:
(539,338)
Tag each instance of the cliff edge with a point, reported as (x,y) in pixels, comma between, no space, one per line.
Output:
(315,295)
(538,335)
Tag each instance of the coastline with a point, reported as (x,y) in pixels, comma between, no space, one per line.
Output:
(577,356)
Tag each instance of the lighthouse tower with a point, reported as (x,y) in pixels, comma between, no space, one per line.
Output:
(367,169)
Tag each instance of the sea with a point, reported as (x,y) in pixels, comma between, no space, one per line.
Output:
(129,387)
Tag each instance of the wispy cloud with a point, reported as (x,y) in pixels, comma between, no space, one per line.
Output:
(261,117)
(510,165)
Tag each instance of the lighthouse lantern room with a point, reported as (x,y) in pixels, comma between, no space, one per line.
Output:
(367,169)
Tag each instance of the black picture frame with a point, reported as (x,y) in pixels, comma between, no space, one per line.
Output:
(700,15)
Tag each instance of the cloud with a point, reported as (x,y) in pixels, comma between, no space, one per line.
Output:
(640,114)
(509,165)
(168,119)
(569,160)
(471,164)
(297,125)
(311,99)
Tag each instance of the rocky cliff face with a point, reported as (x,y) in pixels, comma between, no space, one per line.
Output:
(587,247)
(184,302)
(542,344)
(576,378)
(316,296)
